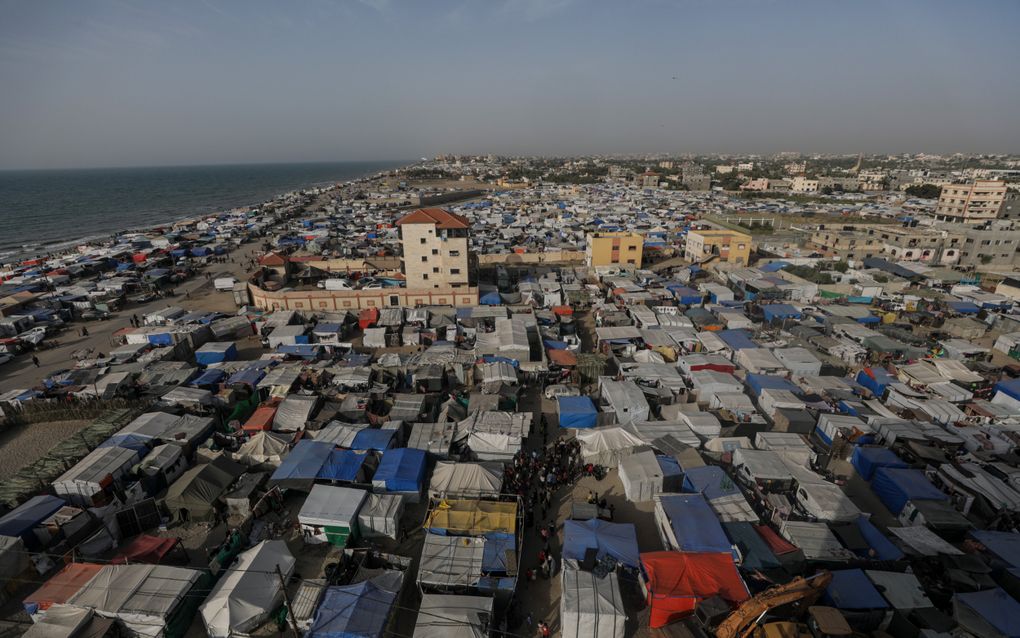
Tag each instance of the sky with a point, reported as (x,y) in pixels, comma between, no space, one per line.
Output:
(95,83)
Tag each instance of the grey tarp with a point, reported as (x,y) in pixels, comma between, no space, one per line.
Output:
(591,607)
(294,412)
(249,591)
(450,616)
(451,561)
(199,489)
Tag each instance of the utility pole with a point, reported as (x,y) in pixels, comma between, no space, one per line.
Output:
(286,601)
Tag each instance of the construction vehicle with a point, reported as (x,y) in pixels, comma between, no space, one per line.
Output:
(741,623)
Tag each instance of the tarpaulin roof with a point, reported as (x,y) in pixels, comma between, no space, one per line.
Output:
(359,610)
(776,543)
(198,490)
(867,459)
(373,439)
(561,357)
(591,606)
(466,516)
(754,551)
(884,548)
(964,307)
(737,339)
(759,382)
(576,412)
(21,520)
(248,591)
(63,585)
(851,589)
(695,526)
(618,540)
(780,311)
(984,613)
(895,486)
(711,481)
(1005,545)
(342,465)
(145,549)
(401,470)
(678,580)
(304,461)
(209,377)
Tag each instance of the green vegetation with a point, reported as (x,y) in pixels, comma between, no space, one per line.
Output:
(924,191)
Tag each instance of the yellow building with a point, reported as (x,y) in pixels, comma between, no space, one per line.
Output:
(434,242)
(614,249)
(729,245)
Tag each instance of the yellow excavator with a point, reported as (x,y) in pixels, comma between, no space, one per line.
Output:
(744,621)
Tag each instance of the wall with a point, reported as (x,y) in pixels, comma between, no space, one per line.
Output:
(389,263)
(552,257)
(339,300)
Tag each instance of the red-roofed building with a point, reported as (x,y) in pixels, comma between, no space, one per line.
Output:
(435,249)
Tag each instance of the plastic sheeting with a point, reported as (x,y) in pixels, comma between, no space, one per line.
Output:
(362,610)
(451,561)
(618,540)
(990,613)
(1004,545)
(452,616)
(690,524)
(299,468)
(868,459)
(467,479)
(473,517)
(755,553)
(198,490)
(851,589)
(677,581)
(641,476)
(294,412)
(263,447)
(249,590)
(606,446)
(344,465)
(576,412)
(380,515)
(895,486)
(22,520)
(401,470)
(334,510)
(591,607)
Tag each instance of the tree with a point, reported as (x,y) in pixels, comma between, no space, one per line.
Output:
(924,191)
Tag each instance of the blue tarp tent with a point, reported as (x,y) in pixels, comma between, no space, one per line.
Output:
(352,611)
(868,459)
(686,296)
(1004,545)
(759,382)
(372,439)
(895,486)
(618,540)
(302,350)
(1009,387)
(576,412)
(983,613)
(215,352)
(851,589)
(695,526)
(342,465)
(20,521)
(737,339)
(209,377)
(302,465)
(754,551)
(876,380)
(131,441)
(780,311)
(884,548)
(401,470)
(498,554)
(248,376)
(964,307)
(490,299)
(710,481)
(773,266)
(672,475)
(161,339)
(552,344)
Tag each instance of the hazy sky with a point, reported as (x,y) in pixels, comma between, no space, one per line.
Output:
(119,83)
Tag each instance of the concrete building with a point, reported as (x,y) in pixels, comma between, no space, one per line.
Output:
(977,201)
(729,245)
(614,249)
(845,183)
(994,244)
(1010,208)
(648,179)
(725,169)
(434,243)
(801,184)
(846,242)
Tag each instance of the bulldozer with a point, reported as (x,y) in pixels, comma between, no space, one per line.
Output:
(822,622)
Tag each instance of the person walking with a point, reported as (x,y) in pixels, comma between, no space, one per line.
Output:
(35,360)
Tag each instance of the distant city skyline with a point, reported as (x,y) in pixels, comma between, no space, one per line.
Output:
(117,83)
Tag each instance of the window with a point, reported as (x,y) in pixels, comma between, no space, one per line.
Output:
(425,276)
(631,247)
(423,240)
(455,271)
(455,253)
(435,251)
(424,259)
(435,269)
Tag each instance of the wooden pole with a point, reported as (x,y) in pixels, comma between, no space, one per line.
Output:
(286,601)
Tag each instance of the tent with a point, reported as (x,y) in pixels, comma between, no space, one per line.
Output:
(14,558)
(61,587)
(359,610)
(401,470)
(20,521)
(755,553)
(349,466)
(294,412)
(606,446)
(145,549)
(300,468)
(380,515)
(618,540)
(330,514)
(576,412)
(451,561)
(452,616)
(472,517)
(248,591)
(688,524)
(990,613)
(263,447)
(196,494)
(850,589)
(1005,546)
(896,486)
(867,459)
(641,476)
(216,352)
(483,480)
(677,581)
(590,606)
(373,439)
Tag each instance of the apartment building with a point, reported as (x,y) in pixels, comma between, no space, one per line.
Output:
(846,242)
(729,246)
(977,201)
(1010,208)
(801,184)
(614,249)
(434,243)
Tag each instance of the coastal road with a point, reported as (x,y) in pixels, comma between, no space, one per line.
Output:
(22,374)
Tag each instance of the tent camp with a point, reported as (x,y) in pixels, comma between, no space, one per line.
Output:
(451,562)
(990,613)
(576,412)
(380,515)
(688,524)
(606,446)
(896,486)
(677,581)
(618,540)
(263,447)
(196,495)
(483,480)
(294,412)
(249,591)
(590,606)
(301,466)
(452,616)
(330,514)
(20,521)
(402,471)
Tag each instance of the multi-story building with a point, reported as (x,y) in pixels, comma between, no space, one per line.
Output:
(846,242)
(614,249)
(434,242)
(648,179)
(992,245)
(873,180)
(977,201)
(801,184)
(1010,208)
(845,183)
(729,246)
(725,169)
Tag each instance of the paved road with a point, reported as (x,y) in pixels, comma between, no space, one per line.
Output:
(20,373)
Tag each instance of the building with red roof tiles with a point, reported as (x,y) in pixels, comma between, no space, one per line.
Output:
(434,242)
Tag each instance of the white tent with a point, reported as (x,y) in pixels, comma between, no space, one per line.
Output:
(484,480)
(263,447)
(826,502)
(328,511)
(294,412)
(449,616)
(375,338)
(92,474)
(451,561)
(60,621)
(606,446)
(143,597)
(249,591)
(591,607)
(380,515)
(641,476)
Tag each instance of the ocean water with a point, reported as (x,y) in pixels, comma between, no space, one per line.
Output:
(43,211)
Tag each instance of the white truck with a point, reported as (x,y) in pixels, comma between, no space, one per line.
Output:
(224,284)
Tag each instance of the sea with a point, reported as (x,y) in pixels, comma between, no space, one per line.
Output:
(43,211)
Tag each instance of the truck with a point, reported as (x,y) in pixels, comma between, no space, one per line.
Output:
(224,284)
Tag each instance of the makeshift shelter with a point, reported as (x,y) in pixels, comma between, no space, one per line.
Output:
(483,480)
(60,587)
(294,412)
(867,459)
(451,562)
(401,470)
(990,614)
(263,447)
(216,352)
(755,554)
(472,517)
(301,466)
(677,581)
(145,549)
(248,591)
(330,514)
(850,589)
(362,610)
(85,484)
(606,446)
(688,524)
(591,606)
(196,495)
(20,521)
(347,466)
(641,476)
(896,486)
(453,616)
(576,412)
(380,514)
(618,540)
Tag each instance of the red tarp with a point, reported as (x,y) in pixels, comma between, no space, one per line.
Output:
(564,358)
(63,585)
(145,549)
(562,311)
(776,543)
(678,580)
(261,419)
(368,317)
